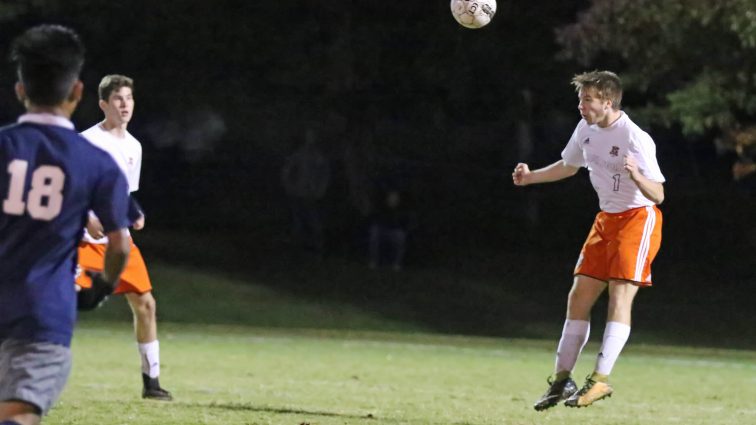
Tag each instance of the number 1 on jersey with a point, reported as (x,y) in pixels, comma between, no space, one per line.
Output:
(616,178)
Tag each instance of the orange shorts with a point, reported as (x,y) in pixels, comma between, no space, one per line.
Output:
(621,246)
(133,279)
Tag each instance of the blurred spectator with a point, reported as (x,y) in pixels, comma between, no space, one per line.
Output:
(744,168)
(359,172)
(390,224)
(305,177)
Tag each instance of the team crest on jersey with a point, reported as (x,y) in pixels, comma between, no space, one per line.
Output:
(587,140)
(614,151)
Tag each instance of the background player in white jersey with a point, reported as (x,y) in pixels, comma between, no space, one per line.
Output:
(117,103)
(624,239)
(50,177)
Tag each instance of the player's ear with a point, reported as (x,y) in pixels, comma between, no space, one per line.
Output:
(77,91)
(103,104)
(20,91)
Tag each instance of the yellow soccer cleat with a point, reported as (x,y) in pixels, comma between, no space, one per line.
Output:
(591,392)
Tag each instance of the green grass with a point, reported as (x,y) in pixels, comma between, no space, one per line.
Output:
(236,353)
(240,375)
(192,296)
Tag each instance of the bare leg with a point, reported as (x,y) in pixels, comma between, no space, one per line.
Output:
(621,296)
(145,327)
(583,295)
(618,319)
(145,322)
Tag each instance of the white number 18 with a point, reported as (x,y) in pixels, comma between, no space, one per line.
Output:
(46,185)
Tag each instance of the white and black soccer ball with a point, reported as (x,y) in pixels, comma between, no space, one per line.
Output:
(473,13)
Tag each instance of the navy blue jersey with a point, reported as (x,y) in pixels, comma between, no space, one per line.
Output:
(50,177)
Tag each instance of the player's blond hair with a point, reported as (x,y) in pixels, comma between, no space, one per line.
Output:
(607,84)
(111,83)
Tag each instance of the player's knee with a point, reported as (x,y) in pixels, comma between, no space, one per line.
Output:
(145,306)
(149,307)
(578,303)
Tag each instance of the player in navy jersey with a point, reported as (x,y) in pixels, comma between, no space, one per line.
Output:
(50,177)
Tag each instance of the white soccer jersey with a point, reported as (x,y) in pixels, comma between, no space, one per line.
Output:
(127,153)
(602,151)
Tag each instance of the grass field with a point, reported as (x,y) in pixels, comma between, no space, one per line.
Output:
(238,375)
(252,355)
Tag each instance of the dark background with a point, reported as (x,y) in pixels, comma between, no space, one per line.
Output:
(225,91)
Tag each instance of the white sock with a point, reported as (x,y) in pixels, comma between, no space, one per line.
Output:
(150,354)
(615,337)
(574,336)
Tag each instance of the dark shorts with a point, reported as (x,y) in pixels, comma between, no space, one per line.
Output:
(33,372)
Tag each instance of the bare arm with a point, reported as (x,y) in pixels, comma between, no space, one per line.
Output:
(116,255)
(104,283)
(139,223)
(522,176)
(136,214)
(652,190)
(94,227)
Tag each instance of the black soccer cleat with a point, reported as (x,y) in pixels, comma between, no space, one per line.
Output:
(152,390)
(557,392)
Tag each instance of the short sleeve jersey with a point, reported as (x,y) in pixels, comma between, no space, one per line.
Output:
(126,152)
(602,151)
(50,178)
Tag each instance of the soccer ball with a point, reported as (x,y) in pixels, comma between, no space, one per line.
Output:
(473,13)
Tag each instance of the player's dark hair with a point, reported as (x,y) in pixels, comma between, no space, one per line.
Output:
(112,83)
(607,84)
(48,61)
